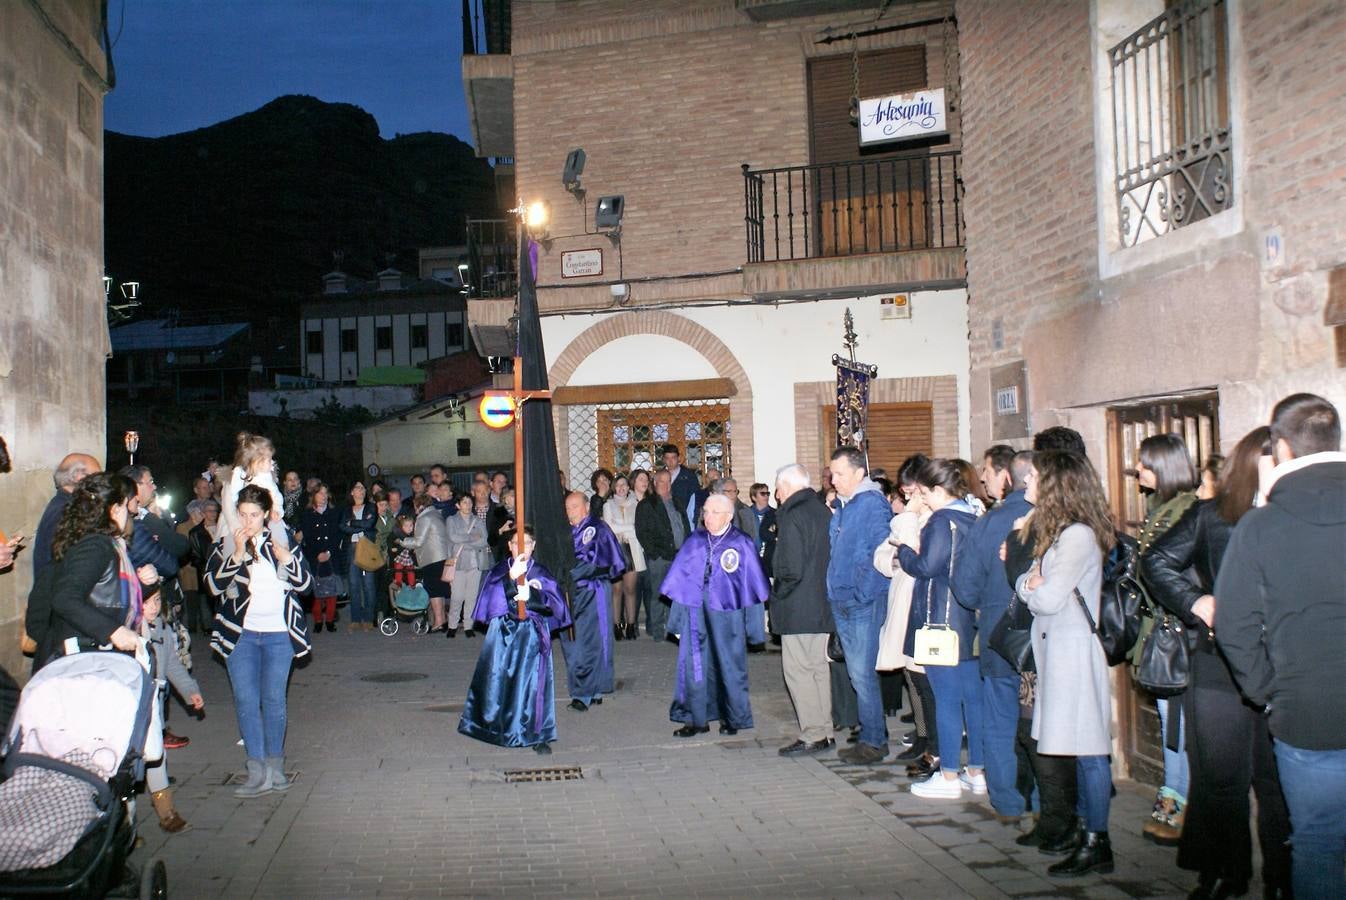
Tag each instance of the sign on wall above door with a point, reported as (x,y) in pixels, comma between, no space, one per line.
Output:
(902,117)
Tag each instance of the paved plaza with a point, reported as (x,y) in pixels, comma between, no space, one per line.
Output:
(391,801)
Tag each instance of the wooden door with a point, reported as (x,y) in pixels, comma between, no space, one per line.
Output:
(896,431)
(1196,419)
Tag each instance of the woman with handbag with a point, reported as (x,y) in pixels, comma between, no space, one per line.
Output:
(320,523)
(357,525)
(430,541)
(1229,746)
(941,633)
(91,593)
(1165,471)
(469,556)
(1070,531)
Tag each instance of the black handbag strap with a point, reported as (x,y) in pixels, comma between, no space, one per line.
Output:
(1093,626)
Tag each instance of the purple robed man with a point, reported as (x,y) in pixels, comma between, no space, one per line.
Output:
(714,578)
(511,701)
(599,561)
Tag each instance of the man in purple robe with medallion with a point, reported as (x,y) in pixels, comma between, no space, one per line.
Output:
(599,561)
(511,701)
(714,578)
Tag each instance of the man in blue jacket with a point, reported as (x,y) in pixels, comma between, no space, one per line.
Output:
(859,593)
(979,583)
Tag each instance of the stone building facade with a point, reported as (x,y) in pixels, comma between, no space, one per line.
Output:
(53,326)
(705,116)
(1198,328)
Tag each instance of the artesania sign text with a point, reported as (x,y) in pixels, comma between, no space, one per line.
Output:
(902,117)
(581,263)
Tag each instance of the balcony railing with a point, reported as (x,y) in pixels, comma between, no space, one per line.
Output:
(848,208)
(486,27)
(492,257)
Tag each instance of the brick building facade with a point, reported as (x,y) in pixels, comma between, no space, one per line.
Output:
(53,328)
(1199,329)
(673,102)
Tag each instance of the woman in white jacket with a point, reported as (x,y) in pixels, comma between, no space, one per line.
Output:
(910,515)
(254,463)
(620,513)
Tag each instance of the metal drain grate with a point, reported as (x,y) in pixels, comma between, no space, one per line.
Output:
(393,677)
(445,708)
(552,773)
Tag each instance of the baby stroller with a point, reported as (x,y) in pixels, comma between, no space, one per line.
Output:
(71,762)
(410,602)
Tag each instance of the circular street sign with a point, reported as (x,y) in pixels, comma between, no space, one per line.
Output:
(373,470)
(497,411)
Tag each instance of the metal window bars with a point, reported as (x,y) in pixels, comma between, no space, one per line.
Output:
(1172,135)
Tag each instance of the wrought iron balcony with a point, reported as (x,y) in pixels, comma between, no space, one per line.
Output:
(486,26)
(492,258)
(883,205)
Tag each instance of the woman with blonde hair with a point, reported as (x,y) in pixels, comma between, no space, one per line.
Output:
(254,463)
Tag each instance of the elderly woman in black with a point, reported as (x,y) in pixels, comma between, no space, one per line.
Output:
(92,594)
(1228,746)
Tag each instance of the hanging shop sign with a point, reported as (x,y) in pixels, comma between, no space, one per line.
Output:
(902,117)
(582,263)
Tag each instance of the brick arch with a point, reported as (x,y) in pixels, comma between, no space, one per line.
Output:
(696,336)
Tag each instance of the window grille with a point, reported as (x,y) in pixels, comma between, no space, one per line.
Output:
(1170,100)
(620,437)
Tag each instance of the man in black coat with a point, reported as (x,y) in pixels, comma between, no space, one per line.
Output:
(69,473)
(800,613)
(1279,617)
(683,483)
(661,527)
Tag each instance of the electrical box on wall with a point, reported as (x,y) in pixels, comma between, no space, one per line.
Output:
(464,446)
(898,306)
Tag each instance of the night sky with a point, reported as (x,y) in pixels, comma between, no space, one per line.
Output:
(185,64)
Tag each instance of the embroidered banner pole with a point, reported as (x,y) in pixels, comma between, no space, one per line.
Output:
(853,380)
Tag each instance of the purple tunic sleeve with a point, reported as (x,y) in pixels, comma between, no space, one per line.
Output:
(596,545)
(497,596)
(736,579)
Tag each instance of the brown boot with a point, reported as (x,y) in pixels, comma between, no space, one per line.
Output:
(1165,824)
(169,820)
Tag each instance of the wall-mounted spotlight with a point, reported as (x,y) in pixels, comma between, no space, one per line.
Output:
(609,215)
(570,176)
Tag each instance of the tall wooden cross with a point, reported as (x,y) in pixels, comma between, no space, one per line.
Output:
(520,396)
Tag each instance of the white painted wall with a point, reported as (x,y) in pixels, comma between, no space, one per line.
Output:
(781,345)
(404,448)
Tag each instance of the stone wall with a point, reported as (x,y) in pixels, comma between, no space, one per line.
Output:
(53,331)
(1201,307)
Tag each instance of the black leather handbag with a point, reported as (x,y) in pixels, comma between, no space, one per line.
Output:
(834,651)
(1012,636)
(1164,662)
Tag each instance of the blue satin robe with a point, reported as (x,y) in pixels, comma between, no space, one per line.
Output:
(588,656)
(511,701)
(711,582)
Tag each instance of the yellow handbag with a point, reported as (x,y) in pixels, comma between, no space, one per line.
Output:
(937,645)
(368,556)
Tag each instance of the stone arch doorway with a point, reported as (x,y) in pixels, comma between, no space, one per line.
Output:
(675,327)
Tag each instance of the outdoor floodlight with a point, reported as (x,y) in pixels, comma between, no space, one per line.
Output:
(536,217)
(570,177)
(609,212)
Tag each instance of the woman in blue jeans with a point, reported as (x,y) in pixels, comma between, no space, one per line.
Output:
(260,631)
(1070,530)
(358,524)
(957,688)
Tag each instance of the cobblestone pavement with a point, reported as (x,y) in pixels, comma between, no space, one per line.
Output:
(391,801)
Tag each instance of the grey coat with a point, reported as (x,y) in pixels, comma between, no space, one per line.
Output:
(467,543)
(1073,712)
(430,540)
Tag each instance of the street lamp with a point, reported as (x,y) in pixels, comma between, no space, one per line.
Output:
(535,219)
(132,441)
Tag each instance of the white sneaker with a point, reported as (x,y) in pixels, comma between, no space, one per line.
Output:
(937,787)
(974,783)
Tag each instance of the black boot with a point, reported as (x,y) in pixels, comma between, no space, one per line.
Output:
(1063,843)
(1216,887)
(1093,854)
